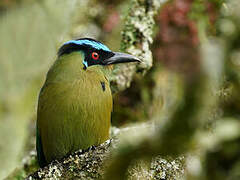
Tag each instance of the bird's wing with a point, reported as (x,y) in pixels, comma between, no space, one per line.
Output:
(40,155)
(39,146)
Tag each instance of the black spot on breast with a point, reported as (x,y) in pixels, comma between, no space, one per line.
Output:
(84,67)
(103,86)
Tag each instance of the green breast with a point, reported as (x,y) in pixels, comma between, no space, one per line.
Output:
(74,111)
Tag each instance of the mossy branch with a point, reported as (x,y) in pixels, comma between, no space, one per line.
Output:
(176,134)
(136,40)
(91,164)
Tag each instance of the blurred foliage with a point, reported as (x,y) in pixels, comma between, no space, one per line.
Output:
(185,45)
(191,93)
(134,104)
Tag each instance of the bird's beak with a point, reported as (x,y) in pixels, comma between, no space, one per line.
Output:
(120,58)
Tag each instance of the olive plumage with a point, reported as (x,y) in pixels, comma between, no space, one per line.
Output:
(75,102)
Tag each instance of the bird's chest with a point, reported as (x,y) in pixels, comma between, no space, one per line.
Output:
(78,97)
(89,110)
(89,94)
(74,115)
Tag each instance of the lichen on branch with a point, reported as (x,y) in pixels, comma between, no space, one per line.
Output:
(136,40)
(91,164)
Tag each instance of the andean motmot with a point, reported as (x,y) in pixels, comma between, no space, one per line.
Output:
(75,102)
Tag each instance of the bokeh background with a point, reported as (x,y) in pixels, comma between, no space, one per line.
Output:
(186,33)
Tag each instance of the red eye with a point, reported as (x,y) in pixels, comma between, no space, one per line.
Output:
(95,56)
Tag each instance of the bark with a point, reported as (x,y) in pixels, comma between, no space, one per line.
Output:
(91,163)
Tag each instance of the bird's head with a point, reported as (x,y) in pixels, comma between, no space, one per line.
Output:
(95,53)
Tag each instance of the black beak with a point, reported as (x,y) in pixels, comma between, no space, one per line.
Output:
(120,58)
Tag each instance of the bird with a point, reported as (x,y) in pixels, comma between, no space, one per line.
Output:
(75,103)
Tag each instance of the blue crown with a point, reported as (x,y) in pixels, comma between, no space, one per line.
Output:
(91,42)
